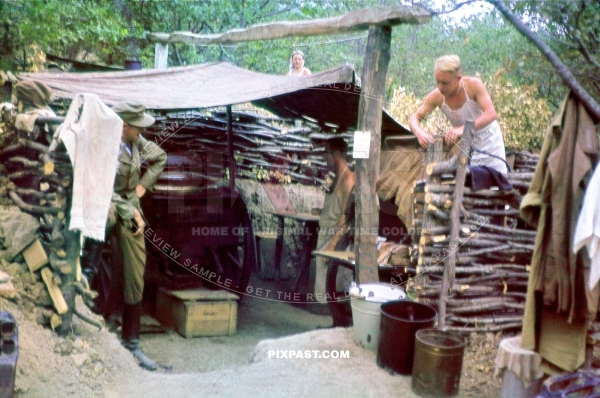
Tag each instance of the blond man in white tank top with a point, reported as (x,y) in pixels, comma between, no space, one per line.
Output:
(463,98)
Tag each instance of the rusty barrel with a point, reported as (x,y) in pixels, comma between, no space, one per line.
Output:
(400,320)
(437,363)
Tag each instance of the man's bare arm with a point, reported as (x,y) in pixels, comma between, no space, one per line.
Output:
(428,105)
(483,99)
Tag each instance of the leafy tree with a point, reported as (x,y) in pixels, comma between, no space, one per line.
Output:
(69,29)
(523,116)
(568,34)
(210,17)
(115,30)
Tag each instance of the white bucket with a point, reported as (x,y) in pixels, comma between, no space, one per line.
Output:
(366,316)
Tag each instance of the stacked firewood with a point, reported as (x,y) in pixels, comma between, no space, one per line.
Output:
(525,162)
(493,250)
(38,182)
(266,147)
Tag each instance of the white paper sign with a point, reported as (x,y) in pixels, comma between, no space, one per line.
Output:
(362,144)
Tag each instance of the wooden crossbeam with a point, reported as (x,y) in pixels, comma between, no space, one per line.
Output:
(350,22)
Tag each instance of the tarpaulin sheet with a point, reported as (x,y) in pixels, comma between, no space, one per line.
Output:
(329,97)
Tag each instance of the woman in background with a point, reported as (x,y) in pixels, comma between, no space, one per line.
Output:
(297,65)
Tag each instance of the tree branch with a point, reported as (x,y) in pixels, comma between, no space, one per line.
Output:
(177,54)
(584,50)
(565,73)
(456,7)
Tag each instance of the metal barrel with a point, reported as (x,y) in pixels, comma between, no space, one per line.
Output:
(400,320)
(437,363)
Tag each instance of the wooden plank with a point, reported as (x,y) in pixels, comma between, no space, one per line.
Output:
(304,217)
(202,294)
(35,256)
(57,298)
(337,255)
(55,321)
(353,21)
(369,119)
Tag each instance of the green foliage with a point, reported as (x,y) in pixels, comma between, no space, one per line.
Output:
(571,29)
(484,44)
(211,17)
(523,117)
(70,29)
(101,31)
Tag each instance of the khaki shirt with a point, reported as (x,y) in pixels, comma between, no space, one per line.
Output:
(128,175)
(555,326)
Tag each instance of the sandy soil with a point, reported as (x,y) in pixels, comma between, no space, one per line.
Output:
(92,363)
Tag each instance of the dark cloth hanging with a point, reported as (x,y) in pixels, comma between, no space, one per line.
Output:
(484,177)
(556,284)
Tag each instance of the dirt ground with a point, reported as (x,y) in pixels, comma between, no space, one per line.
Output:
(92,363)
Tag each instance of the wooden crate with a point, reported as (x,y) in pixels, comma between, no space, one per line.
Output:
(198,312)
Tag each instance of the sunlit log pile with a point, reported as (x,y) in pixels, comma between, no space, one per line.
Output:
(266,147)
(493,251)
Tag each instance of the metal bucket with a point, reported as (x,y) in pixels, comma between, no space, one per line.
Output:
(437,363)
(400,320)
(366,316)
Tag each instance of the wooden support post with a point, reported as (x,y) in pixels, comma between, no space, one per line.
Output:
(230,158)
(369,119)
(450,261)
(161,56)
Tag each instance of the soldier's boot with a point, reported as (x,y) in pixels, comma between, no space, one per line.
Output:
(130,334)
(90,261)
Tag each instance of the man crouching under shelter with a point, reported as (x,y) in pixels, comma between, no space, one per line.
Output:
(125,216)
